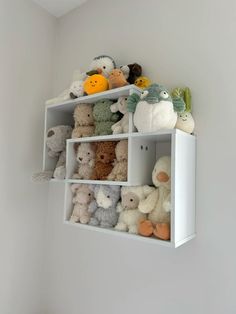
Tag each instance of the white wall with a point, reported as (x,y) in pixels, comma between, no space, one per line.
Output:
(27,36)
(177,42)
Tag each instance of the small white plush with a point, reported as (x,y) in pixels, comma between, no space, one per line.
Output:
(130,216)
(121,126)
(185,122)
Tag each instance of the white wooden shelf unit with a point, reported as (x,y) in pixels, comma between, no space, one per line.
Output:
(143,151)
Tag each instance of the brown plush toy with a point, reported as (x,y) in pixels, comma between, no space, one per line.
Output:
(84,122)
(117,79)
(131,72)
(105,156)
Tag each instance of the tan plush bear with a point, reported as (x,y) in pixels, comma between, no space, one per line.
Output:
(84,122)
(130,216)
(83,196)
(85,156)
(119,172)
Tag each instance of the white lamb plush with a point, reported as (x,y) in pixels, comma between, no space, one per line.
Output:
(130,216)
(121,126)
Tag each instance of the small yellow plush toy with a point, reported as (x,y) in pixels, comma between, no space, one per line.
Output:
(95,84)
(142,82)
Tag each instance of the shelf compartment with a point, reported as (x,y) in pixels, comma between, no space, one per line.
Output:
(72,164)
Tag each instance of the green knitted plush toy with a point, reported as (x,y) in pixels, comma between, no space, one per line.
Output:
(104,118)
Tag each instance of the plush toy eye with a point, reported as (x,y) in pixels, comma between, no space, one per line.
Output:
(108,196)
(131,200)
(104,67)
(126,98)
(164,94)
(88,115)
(89,194)
(88,153)
(144,94)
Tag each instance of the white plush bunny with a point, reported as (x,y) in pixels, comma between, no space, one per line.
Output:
(121,126)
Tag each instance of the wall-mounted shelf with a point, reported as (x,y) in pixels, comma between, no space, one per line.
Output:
(143,151)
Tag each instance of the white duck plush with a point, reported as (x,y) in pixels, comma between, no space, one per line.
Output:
(155,109)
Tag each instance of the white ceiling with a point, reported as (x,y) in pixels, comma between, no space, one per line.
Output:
(59,7)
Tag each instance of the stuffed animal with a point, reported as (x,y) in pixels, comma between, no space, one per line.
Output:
(75,90)
(84,122)
(130,216)
(131,72)
(155,109)
(85,156)
(116,79)
(185,121)
(104,118)
(122,126)
(158,204)
(95,83)
(105,156)
(119,172)
(56,148)
(83,197)
(102,65)
(142,82)
(103,210)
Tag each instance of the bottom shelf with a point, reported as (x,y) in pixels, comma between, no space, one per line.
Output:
(130,236)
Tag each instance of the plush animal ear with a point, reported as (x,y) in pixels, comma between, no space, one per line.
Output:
(76,146)
(188,99)
(115,188)
(74,187)
(115,107)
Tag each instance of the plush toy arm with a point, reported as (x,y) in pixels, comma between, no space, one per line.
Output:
(146,206)
(119,208)
(179,104)
(92,207)
(53,154)
(41,177)
(132,102)
(167,203)
(115,117)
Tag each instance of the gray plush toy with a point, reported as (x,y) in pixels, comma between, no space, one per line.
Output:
(56,148)
(103,210)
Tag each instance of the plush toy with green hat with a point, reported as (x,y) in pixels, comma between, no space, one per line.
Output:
(155,109)
(185,121)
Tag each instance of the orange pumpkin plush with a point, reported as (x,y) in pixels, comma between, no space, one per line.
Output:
(95,84)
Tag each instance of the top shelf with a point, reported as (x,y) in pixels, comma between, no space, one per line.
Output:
(115,93)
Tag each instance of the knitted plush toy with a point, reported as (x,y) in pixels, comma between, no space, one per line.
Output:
(83,196)
(104,118)
(130,216)
(185,121)
(120,170)
(56,148)
(85,156)
(131,72)
(102,65)
(84,122)
(116,79)
(103,210)
(122,126)
(158,204)
(105,156)
(155,109)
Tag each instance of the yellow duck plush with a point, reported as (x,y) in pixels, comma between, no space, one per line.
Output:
(142,82)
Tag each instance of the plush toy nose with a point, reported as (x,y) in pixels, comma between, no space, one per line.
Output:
(99,70)
(102,156)
(162,176)
(80,158)
(50,133)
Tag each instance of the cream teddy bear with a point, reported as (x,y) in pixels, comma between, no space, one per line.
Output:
(85,156)
(84,122)
(83,196)
(158,204)
(119,172)
(130,216)
(121,126)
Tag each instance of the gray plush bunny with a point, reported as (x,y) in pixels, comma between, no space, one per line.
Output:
(103,210)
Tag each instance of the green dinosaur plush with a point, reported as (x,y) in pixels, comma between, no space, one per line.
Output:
(104,118)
